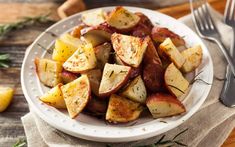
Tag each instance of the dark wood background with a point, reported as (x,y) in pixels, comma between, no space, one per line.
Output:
(15,43)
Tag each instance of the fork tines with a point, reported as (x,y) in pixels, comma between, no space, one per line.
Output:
(230,12)
(202,16)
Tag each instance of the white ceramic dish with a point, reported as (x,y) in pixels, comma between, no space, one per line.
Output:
(91,128)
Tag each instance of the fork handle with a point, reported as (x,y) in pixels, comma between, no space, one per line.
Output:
(228,91)
(227,56)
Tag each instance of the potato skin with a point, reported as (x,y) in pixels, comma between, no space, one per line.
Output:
(153,72)
(153,75)
(68,76)
(144,27)
(76,32)
(96,106)
(159,34)
(164,105)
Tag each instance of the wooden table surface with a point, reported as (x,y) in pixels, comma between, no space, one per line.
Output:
(15,43)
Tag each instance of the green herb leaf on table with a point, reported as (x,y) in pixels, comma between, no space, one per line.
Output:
(26,21)
(4,60)
(20,143)
(164,143)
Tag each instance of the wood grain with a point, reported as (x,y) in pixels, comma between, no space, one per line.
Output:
(16,43)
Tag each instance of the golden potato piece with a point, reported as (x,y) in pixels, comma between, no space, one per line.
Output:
(82,60)
(122,19)
(6,95)
(76,95)
(175,81)
(54,97)
(193,58)
(175,56)
(48,71)
(121,109)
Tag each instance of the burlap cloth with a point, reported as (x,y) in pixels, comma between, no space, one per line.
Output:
(209,127)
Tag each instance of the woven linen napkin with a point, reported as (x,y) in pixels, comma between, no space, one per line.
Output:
(209,127)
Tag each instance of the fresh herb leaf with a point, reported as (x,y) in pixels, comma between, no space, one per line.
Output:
(4,60)
(176,88)
(20,143)
(180,133)
(26,21)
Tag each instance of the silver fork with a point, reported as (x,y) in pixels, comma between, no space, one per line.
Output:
(207,29)
(228,91)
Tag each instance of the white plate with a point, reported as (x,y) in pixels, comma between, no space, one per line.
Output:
(91,128)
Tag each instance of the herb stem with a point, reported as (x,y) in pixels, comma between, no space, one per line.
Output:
(26,21)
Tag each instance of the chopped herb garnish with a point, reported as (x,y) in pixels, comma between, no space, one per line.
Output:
(111,73)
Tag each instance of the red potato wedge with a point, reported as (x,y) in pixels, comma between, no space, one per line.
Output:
(129,49)
(122,19)
(135,91)
(94,18)
(94,77)
(98,34)
(175,81)
(68,76)
(76,95)
(82,60)
(96,106)
(134,71)
(172,52)
(159,34)
(65,46)
(76,32)
(48,71)
(113,78)
(153,76)
(151,56)
(164,105)
(54,97)
(153,72)
(102,53)
(122,110)
(144,27)
(193,58)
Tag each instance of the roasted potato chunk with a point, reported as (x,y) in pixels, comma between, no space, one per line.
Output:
(122,19)
(98,34)
(153,72)
(136,90)
(94,77)
(48,71)
(175,81)
(164,105)
(122,110)
(129,49)
(193,58)
(94,18)
(68,76)
(113,78)
(153,76)
(76,95)
(172,52)
(102,53)
(159,34)
(96,106)
(54,97)
(82,60)
(144,27)
(65,46)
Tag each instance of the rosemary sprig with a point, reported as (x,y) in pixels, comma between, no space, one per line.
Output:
(20,143)
(164,143)
(26,21)
(4,60)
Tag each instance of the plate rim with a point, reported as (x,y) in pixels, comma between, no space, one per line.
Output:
(133,137)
